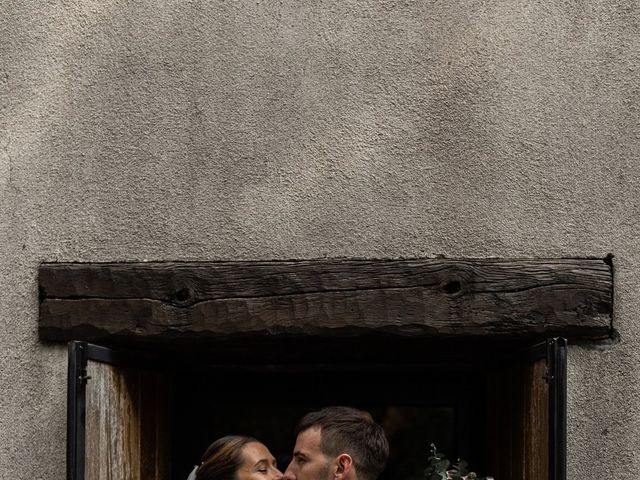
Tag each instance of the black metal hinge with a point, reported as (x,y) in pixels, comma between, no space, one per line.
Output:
(83,377)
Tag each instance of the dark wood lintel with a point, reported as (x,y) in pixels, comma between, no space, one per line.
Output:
(409,298)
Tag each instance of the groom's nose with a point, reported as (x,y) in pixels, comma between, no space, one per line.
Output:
(289,474)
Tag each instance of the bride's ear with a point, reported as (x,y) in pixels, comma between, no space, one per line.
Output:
(343,467)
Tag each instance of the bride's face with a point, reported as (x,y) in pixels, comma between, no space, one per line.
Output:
(258,463)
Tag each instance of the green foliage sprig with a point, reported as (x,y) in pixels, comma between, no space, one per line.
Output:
(440,468)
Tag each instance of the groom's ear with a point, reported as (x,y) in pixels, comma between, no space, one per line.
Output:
(343,467)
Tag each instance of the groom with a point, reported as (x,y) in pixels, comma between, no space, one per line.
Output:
(338,443)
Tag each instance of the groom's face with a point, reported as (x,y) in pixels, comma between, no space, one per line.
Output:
(308,463)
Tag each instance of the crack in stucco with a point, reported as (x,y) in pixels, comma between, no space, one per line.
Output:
(6,144)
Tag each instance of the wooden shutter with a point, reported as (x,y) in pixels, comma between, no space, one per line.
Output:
(118,409)
(527,414)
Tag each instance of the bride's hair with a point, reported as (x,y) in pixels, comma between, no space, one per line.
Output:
(223,458)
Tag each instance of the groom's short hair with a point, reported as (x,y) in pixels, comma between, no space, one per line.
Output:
(351,431)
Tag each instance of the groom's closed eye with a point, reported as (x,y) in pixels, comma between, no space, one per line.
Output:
(299,458)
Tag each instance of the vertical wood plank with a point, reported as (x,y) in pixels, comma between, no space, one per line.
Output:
(536,429)
(124,418)
(518,426)
(112,419)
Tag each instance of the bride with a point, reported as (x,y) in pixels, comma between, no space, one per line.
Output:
(236,457)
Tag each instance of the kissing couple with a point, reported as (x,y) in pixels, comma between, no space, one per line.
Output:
(335,443)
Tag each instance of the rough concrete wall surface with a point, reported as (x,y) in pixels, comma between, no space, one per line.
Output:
(193,130)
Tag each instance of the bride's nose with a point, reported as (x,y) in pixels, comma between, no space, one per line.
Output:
(277,475)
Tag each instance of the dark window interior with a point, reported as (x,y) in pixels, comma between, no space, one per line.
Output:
(417,404)
(414,409)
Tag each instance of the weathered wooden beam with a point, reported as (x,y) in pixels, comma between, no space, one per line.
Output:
(422,298)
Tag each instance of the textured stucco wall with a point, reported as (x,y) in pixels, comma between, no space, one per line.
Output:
(167,130)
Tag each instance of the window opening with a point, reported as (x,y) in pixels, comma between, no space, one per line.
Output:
(171,414)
